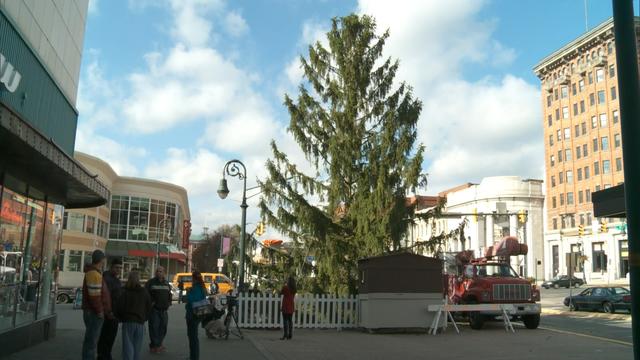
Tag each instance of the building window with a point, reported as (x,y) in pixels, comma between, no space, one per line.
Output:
(103,229)
(597,188)
(553,202)
(555,224)
(90,224)
(595,144)
(565,112)
(580,201)
(561,199)
(581,106)
(585,150)
(550,140)
(567,133)
(564,92)
(618,164)
(586,172)
(559,135)
(567,155)
(555,94)
(579,174)
(615,117)
(612,71)
(578,152)
(583,127)
(604,143)
(590,77)
(569,174)
(557,114)
(599,75)
(588,197)
(573,89)
(592,99)
(553,181)
(599,257)
(549,120)
(73,221)
(601,98)
(603,120)
(616,140)
(569,198)
(581,85)
(596,168)
(614,94)
(553,160)
(559,155)
(594,122)
(581,216)
(74,262)
(606,166)
(575,109)
(561,177)
(549,99)
(610,48)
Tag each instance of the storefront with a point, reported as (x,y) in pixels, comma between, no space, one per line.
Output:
(38,179)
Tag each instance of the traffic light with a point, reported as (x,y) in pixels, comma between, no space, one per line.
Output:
(260,229)
(522,216)
(603,227)
(581,230)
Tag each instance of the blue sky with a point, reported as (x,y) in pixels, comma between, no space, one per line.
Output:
(172,89)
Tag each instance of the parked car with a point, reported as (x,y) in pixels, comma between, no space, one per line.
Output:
(65,295)
(562,281)
(607,299)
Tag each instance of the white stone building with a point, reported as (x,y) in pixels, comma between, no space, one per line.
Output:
(497,201)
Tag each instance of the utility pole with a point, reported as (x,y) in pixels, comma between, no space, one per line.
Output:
(629,93)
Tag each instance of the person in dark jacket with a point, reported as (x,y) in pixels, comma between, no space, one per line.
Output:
(133,308)
(288,293)
(96,302)
(196,293)
(110,324)
(160,293)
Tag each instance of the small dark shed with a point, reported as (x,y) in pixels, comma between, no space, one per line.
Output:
(400,273)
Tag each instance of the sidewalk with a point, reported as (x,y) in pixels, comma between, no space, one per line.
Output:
(490,342)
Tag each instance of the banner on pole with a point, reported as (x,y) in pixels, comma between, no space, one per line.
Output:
(226,245)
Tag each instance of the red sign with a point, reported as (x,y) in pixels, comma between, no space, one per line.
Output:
(186,233)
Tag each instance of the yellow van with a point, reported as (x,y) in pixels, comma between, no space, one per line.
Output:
(225,285)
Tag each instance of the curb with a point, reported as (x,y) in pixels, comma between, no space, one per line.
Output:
(585,315)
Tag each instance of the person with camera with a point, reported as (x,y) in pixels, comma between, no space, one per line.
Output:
(195,296)
(288,293)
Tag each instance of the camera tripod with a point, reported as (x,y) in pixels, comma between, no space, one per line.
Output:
(232,315)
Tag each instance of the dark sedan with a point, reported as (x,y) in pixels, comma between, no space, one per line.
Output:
(562,281)
(607,299)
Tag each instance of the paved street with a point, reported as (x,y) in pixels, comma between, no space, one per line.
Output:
(331,344)
(556,316)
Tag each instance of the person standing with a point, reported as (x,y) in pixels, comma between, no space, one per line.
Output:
(288,293)
(96,302)
(180,290)
(196,293)
(160,292)
(110,324)
(133,308)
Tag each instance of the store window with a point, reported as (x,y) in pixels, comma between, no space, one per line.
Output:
(599,257)
(74,262)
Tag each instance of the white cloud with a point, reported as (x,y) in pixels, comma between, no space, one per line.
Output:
(121,157)
(235,24)
(93,7)
(470,129)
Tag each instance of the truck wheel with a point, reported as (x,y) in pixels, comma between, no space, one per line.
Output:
(476,320)
(531,321)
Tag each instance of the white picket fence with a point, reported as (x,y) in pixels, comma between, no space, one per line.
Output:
(311,311)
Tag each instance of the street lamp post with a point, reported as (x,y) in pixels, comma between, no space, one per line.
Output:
(162,222)
(236,168)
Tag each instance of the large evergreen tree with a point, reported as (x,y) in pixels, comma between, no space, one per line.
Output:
(357,128)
